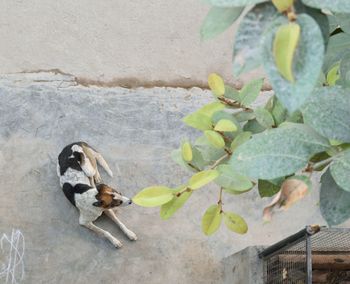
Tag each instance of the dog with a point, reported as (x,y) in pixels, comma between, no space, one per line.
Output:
(81,183)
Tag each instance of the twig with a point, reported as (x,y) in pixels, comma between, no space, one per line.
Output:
(233,103)
(220,160)
(220,200)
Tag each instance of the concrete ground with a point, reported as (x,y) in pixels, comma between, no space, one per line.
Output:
(135,129)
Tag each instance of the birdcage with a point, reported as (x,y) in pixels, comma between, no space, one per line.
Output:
(313,255)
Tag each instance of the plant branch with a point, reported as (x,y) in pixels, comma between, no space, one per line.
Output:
(218,161)
(194,167)
(186,189)
(220,200)
(233,103)
(322,163)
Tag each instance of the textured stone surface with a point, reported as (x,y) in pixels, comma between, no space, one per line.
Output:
(135,130)
(115,42)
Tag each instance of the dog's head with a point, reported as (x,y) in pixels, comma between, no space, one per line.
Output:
(108,197)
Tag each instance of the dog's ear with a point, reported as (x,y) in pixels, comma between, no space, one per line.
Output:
(98,203)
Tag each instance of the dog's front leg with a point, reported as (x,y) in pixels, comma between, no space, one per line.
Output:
(102,232)
(131,235)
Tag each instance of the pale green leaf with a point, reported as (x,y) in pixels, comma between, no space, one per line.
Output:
(211,108)
(153,196)
(328,112)
(186,151)
(232,180)
(240,139)
(218,20)
(231,93)
(216,84)
(307,62)
(248,38)
(264,117)
(333,75)
(242,116)
(338,47)
(168,209)
(209,153)
(253,126)
(250,92)
(197,159)
(334,201)
(225,125)
(277,152)
(282,5)
(211,220)
(215,139)
(235,223)
(202,178)
(284,46)
(340,170)
(338,6)
(198,120)
(345,71)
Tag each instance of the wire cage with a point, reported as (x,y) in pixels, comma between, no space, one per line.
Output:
(313,255)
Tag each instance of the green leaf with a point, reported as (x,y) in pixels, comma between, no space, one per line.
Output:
(334,201)
(153,196)
(211,108)
(328,112)
(236,192)
(307,62)
(253,126)
(338,6)
(211,220)
(216,84)
(235,223)
(218,20)
(277,152)
(338,46)
(267,188)
(225,125)
(215,139)
(186,151)
(232,180)
(282,5)
(344,22)
(198,120)
(264,117)
(284,46)
(250,92)
(168,209)
(209,153)
(202,178)
(231,93)
(340,170)
(197,159)
(345,71)
(234,3)
(279,112)
(248,38)
(225,115)
(242,116)
(240,139)
(333,75)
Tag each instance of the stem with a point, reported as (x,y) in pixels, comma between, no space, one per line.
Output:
(220,200)
(217,162)
(186,189)
(232,103)
(322,163)
(226,139)
(194,167)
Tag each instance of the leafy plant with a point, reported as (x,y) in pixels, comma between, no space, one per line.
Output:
(304,47)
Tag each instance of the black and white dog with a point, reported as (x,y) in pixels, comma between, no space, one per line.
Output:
(78,173)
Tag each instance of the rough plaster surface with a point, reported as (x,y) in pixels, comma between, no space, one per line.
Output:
(113,42)
(135,130)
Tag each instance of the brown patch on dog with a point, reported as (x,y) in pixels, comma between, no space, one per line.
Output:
(105,196)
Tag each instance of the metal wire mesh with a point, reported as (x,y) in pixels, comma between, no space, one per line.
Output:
(329,255)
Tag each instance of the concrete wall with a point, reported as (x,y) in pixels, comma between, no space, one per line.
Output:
(113,42)
(136,131)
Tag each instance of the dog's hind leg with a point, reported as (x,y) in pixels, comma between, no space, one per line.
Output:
(102,233)
(103,163)
(131,235)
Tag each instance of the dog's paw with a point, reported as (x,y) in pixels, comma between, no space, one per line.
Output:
(97,179)
(116,243)
(131,235)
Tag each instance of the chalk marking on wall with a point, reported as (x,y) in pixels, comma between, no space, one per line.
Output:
(11,257)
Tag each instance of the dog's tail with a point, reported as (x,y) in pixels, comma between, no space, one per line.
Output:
(103,163)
